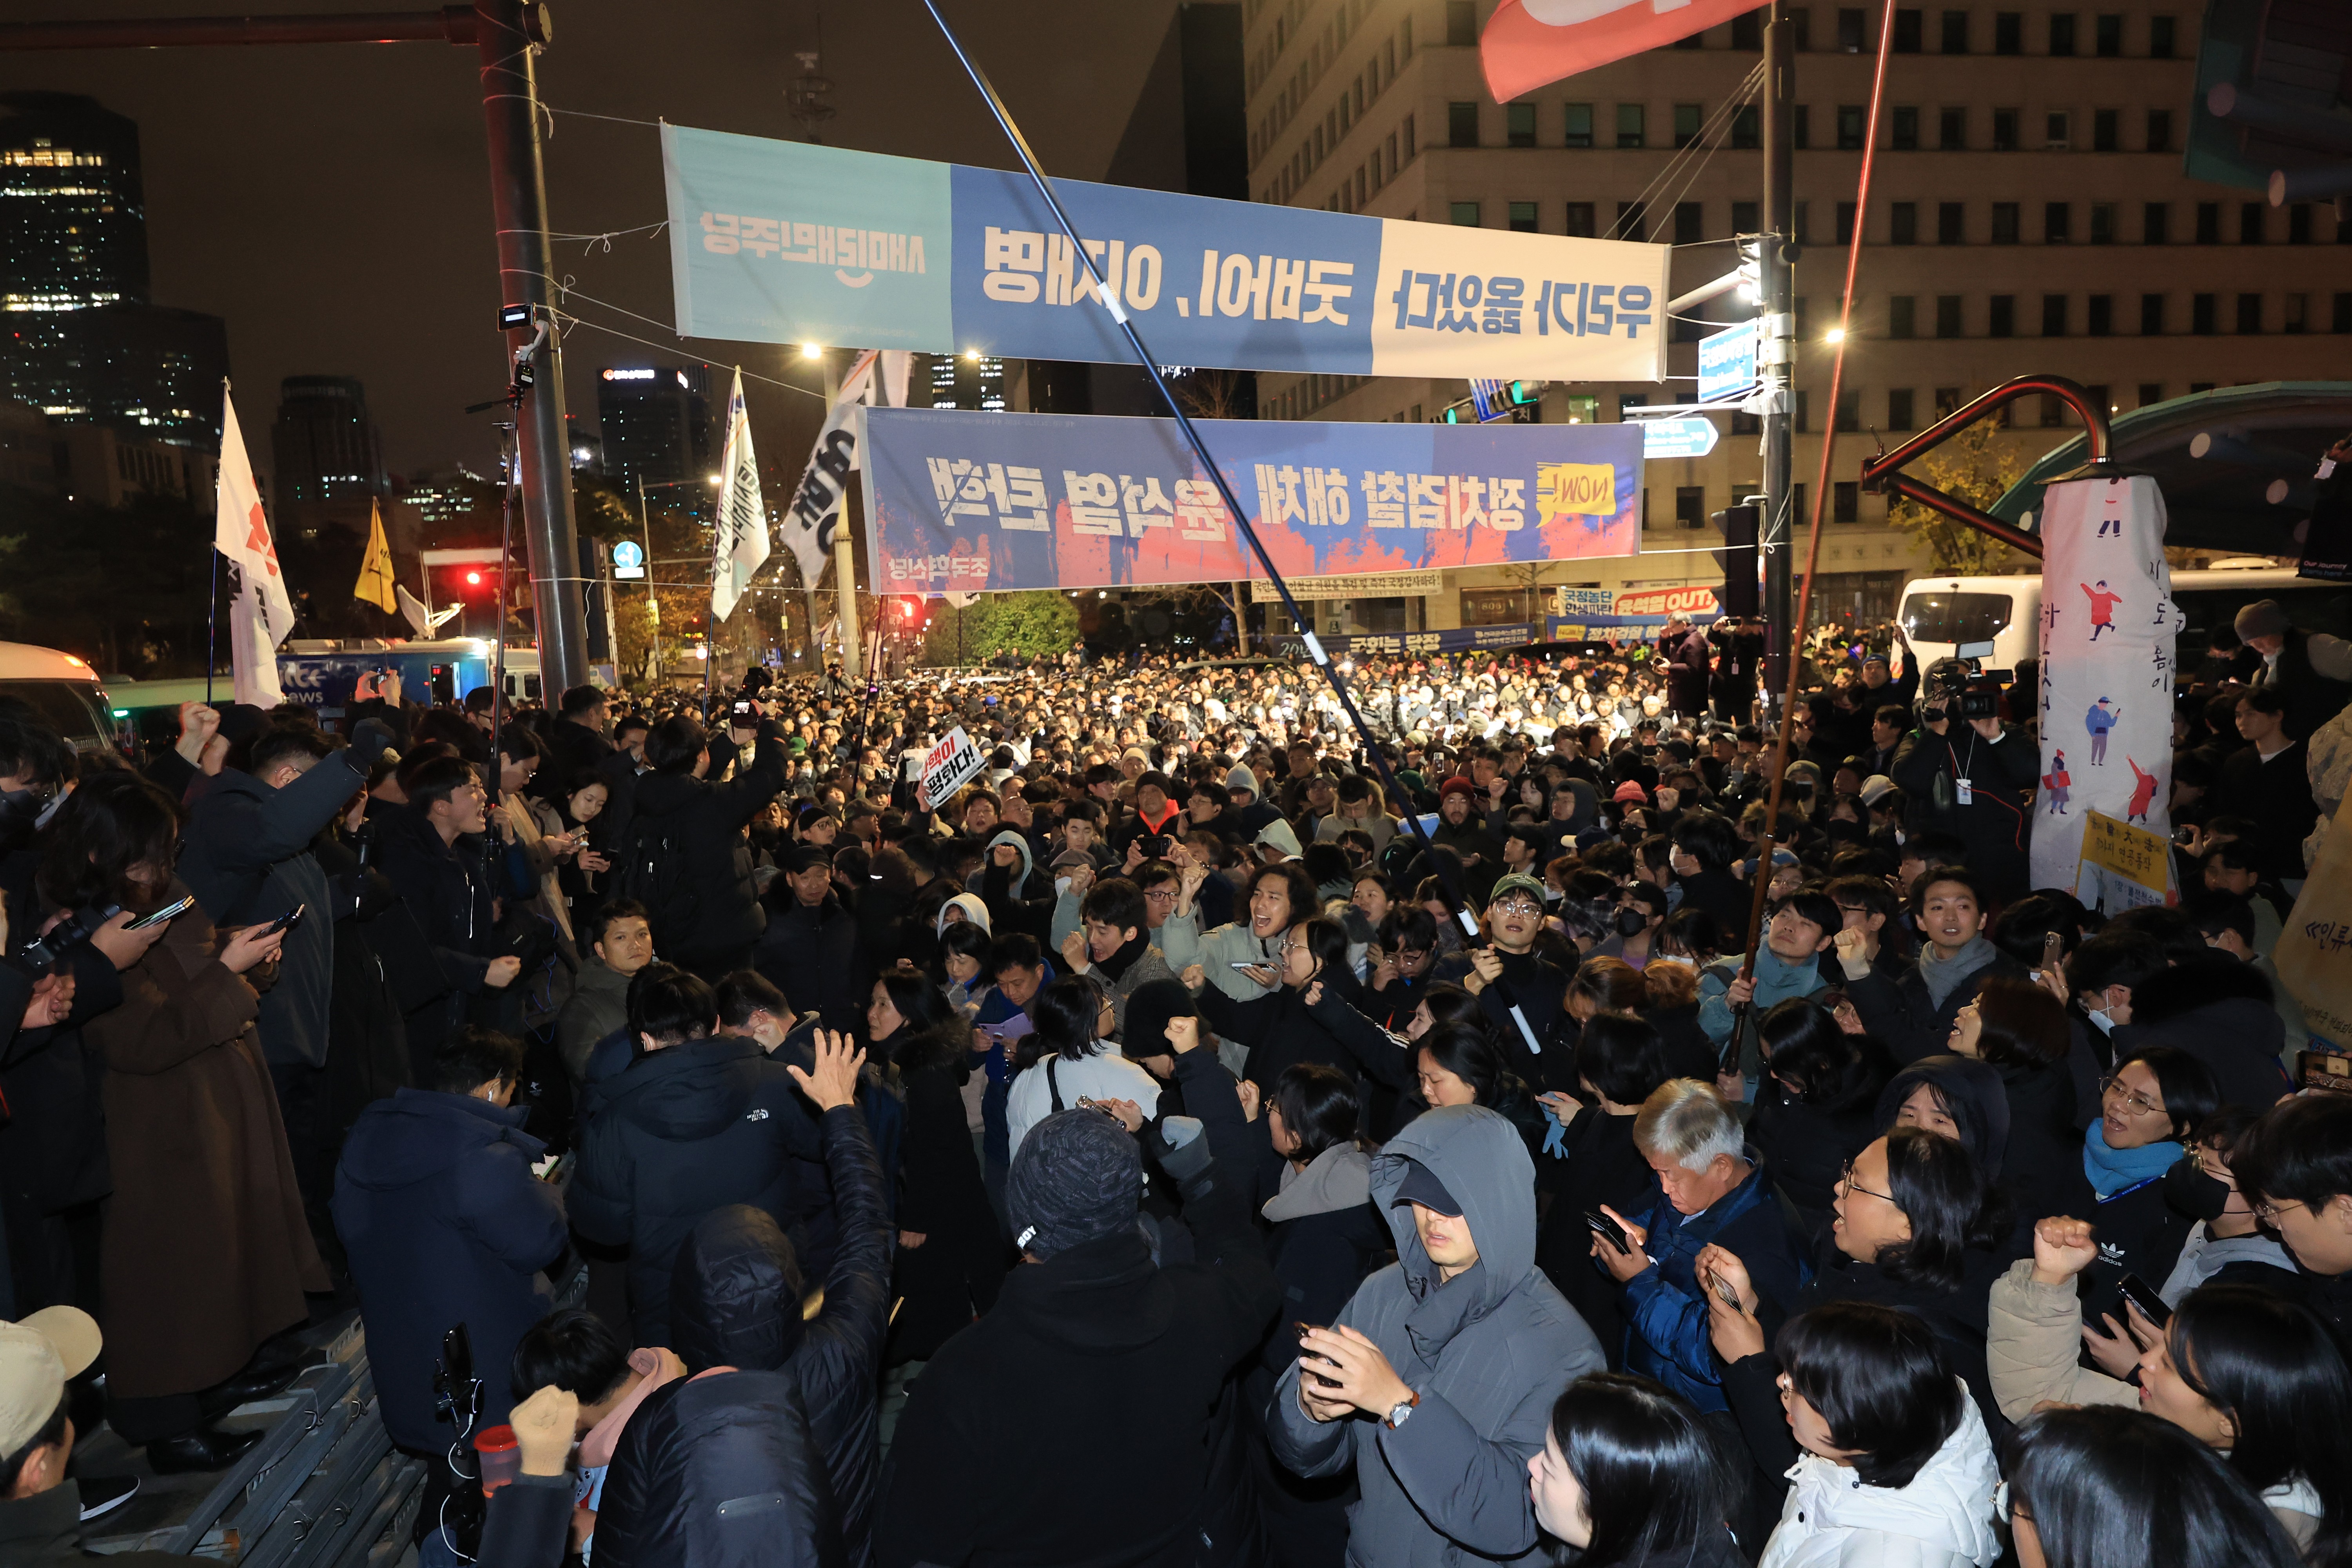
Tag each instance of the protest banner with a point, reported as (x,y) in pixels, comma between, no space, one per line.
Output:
(2314,956)
(947,768)
(786,242)
(2123,867)
(962,501)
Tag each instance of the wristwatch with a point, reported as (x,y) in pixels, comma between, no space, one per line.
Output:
(1401,1409)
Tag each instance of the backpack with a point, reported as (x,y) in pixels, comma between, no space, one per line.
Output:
(654,871)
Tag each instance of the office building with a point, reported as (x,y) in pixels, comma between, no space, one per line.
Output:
(97,465)
(79,339)
(327,455)
(659,427)
(970,380)
(2029,214)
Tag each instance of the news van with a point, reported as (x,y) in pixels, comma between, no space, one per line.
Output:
(63,689)
(1941,615)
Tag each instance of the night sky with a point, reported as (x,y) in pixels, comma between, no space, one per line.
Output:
(332,202)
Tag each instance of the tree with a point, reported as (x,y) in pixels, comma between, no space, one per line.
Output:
(1976,467)
(1044,622)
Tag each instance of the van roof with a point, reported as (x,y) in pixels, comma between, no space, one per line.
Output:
(29,661)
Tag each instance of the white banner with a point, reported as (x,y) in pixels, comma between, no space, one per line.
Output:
(1358,585)
(260,611)
(2108,624)
(816,506)
(952,764)
(742,531)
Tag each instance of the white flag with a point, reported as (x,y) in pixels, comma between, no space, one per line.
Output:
(260,611)
(743,532)
(808,526)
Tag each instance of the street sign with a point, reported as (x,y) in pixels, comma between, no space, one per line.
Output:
(1726,364)
(1676,438)
(628,559)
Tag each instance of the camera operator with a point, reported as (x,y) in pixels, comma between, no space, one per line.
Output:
(1969,774)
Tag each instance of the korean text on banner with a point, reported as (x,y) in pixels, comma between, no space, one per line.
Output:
(964,502)
(947,768)
(2108,624)
(2314,956)
(2128,866)
(741,543)
(782,242)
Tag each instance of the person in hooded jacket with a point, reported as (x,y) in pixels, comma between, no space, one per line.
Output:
(1325,1236)
(1456,1352)
(444,1222)
(2219,1011)
(1089,1337)
(706,906)
(1914,1013)
(697,1120)
(736,1302)
(1019,898)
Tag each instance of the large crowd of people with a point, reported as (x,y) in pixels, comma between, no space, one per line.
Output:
(1197,1138)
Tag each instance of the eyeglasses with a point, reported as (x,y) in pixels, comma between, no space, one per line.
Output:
(2268,1212)
(1845,1180)
(2133,1104)
(1516,907)
(1160,895)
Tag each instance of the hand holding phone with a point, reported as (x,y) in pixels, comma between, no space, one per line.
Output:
(168,912)
(2140,1294)
(288,921)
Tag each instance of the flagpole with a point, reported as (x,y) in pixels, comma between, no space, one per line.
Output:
(212,631)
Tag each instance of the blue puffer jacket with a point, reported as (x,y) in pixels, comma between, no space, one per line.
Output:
(1666,1335)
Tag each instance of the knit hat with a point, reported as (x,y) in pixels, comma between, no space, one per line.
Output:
(2262,618)
(1148,1012)
(1457,784)
(1239,777)
(1876,787)
(1631,791)
(1077,1178)
(1516,883)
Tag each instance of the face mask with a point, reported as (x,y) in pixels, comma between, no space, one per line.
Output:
(1061,886)
(2098,1016)
(23,812)
(1677,961)
(2188,1189)
(1632,922)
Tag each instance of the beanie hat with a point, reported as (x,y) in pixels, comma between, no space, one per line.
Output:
(1630,793)
(1149,1009)
(1078,1177)
(2262,618)
(1876,787)
(1457,784)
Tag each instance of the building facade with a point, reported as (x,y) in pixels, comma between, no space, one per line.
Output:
(2029,214)
(657,427)
(327,455)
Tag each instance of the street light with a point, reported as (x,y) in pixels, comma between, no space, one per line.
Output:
(1834,335)
(812,351)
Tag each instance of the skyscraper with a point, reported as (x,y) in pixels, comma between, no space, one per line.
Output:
(657,425)
(324,446)
(81,340)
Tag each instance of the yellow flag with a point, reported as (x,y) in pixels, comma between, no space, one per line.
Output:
(375,572)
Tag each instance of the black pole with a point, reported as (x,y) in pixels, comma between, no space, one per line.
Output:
(1775,343)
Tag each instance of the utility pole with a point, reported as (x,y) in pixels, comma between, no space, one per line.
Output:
(1776,342)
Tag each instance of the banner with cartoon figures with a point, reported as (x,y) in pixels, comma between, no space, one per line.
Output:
(2109,624)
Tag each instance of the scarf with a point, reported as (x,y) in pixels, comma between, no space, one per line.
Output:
(1943,976)
(1119,963)
(2114,1170)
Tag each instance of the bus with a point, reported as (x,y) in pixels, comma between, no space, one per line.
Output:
(63,689)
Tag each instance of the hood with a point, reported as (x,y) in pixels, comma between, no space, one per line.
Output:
(735,1293)
(1338,1178)
(1020,843)
(1483,1162)
(1240,777)
(1960,1078)
(418,1135)
(1278,834)
(689,1091)
(1948,1504)
(2183,989)
(974,911)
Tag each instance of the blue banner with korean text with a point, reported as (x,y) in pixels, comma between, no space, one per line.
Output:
(785,242)
(965,502)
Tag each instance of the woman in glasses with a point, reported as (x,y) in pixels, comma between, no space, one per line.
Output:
(2151,1108)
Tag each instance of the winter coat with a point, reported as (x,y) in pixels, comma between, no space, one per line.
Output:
(367,1055)
(955,1273)
(45,1530)
(1942,1519)
(1725,897)
(1055,1083)
(732,1304)
(1487,1352)
(1776,981)
(2001,775)
(1217,948)
(1958,1317)
(1901,1011)
(1326,1238)
(2219,1011)
(1096,1345)
(1536,988)
(2274,794)
(705,822)
(1667,1332)
(443,1223)
(207,1252)
(720,1471)
(2033,1346)
(1141,967)
(681,1132)
(1601,1166)
(449,899)
(1808,1146)
(2042,1168)
(810,952)
(599,1007)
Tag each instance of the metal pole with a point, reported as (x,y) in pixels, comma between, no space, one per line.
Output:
(1776,346)
(212,629)
(845,554)
(653,599)
(510,110)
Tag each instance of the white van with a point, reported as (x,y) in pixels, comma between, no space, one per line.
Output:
(1939,614)
(62,689)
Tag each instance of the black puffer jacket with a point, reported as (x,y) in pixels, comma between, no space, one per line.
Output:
(720,1471)
(735,1300)
(683,1131)
(705,821)
(2221,1011)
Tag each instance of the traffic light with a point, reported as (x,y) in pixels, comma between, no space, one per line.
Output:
(1751,270)
(911,613)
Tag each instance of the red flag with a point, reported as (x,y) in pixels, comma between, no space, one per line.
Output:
(1530,43)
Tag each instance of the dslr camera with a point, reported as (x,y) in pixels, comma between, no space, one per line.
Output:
(45,952)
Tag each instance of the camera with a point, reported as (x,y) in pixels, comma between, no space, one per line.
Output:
(44,952)
(1965,682)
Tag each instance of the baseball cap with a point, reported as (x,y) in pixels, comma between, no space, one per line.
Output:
(1516,883)
(1421,1186)
(36,1355)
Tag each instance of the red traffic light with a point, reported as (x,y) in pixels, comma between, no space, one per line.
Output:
(473,579)
(911,609)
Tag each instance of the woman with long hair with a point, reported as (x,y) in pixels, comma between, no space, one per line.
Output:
(951,1254)
(2020,1030)
(2101,1487)
(1281,1028)
(205,1253)
(1815,1103)
(1460,1064)
(1631,1477)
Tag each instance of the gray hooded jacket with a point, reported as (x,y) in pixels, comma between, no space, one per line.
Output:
(1488,1352)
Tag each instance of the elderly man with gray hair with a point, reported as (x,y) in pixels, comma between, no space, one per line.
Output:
(1714,1191)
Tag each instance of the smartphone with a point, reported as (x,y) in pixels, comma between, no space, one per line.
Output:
(2137,1292)
(555,1168)
(745,711)
(1726,1294)
(167,912)
(1308,1372)
(1252,964)
(1601,1225)
(288,921)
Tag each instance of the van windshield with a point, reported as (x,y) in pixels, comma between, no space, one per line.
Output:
(1957,617)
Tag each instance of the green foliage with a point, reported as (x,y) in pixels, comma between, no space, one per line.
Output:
(1044,622)
(1978,467)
